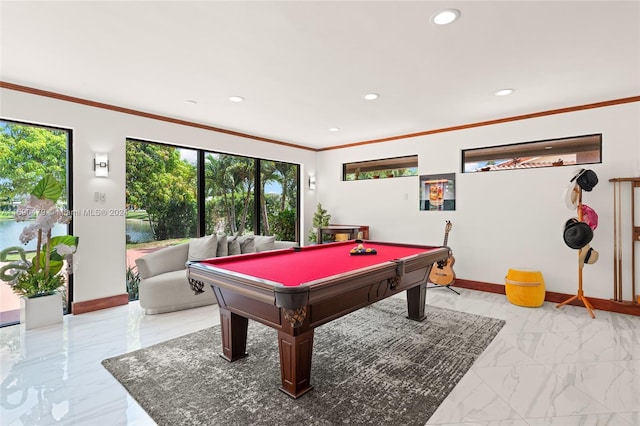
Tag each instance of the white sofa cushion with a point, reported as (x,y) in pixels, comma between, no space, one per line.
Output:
(203,248)
(170,292)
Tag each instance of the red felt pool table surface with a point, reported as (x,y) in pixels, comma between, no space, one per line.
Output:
(293,268)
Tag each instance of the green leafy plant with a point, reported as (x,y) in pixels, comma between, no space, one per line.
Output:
(320,218)
(133,282)
(41,275)
(284,225)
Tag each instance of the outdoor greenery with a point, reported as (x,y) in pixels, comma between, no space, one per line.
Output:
(26,154)
(164,186)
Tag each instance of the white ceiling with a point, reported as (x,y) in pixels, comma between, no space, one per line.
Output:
(304,66)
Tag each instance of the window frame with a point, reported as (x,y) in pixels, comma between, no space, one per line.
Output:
(380,168)
(568,146)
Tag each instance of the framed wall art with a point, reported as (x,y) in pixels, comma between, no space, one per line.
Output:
(438,192)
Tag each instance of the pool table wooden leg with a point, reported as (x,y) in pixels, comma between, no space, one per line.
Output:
(234,335)
(295,362)
(416,297)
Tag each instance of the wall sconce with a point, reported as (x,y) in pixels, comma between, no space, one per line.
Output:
(101,165)
(312,182)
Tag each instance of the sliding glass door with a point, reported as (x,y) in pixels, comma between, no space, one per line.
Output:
(28,152)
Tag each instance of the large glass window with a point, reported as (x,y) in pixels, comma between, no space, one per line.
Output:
(28,153)
(279,200)
(229,194)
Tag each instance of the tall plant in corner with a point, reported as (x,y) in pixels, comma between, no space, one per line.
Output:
(42,274)
(320,218)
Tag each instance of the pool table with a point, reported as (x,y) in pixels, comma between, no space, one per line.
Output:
(298,289)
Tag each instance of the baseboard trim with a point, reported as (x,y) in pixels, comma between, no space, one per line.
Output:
(629,308)
(97,304)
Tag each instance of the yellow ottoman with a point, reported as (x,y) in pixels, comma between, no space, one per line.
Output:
(525,287)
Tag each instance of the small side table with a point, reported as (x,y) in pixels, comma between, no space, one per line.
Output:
(329,233)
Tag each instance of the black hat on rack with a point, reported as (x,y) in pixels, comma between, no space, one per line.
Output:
(577,234)
(586,179)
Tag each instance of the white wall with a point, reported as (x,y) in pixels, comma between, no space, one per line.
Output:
(101,262)
(502,219)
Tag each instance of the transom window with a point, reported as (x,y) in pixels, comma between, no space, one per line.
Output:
(383,168)
(569,151)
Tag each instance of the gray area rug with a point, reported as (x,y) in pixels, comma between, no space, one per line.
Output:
(373,366)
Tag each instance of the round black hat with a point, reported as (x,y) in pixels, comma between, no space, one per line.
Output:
(577,234)
(587,179)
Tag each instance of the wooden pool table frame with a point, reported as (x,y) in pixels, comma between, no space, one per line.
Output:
(296,311)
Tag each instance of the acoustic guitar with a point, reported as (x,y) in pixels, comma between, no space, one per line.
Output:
(442,271)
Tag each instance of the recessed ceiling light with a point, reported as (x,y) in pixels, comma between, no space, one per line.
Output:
(191,101)
(334,129)
(445,17)
(371,96)
(504,92)
(236,98)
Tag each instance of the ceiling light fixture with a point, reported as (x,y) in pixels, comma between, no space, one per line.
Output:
(191,101)
(504,92)
(334,129)
(445,17)
(236,98)
(371,96)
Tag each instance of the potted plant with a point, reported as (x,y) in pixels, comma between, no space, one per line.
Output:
(320,218)
(39,281)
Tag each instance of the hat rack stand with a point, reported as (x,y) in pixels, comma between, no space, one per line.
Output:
(617,239)
(580,295)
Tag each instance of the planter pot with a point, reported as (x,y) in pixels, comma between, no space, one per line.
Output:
(40,311)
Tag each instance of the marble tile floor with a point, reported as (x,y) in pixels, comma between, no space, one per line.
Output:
(547,366)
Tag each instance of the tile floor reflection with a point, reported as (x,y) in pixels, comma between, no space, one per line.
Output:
(547,366)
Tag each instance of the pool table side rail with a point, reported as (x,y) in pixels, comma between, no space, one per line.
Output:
(246,285)
(292,297)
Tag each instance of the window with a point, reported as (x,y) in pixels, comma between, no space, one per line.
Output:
(279,200)
(27,153)
(384,168)
(568,151)
(229,194)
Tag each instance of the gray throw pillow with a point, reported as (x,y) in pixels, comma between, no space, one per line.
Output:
(223,246)
(247,244)
(203,248)
(265,243)
(233,246)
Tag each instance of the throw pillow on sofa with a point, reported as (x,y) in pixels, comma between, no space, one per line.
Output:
(223,246)
(233,246)
(203,248)
(265,243)
(247,244)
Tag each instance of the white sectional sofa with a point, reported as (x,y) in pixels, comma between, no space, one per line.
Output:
(164,286)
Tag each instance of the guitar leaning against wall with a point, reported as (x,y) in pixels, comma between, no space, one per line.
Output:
(442,272)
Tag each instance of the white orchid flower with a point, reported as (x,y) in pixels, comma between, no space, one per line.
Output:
(65,250)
